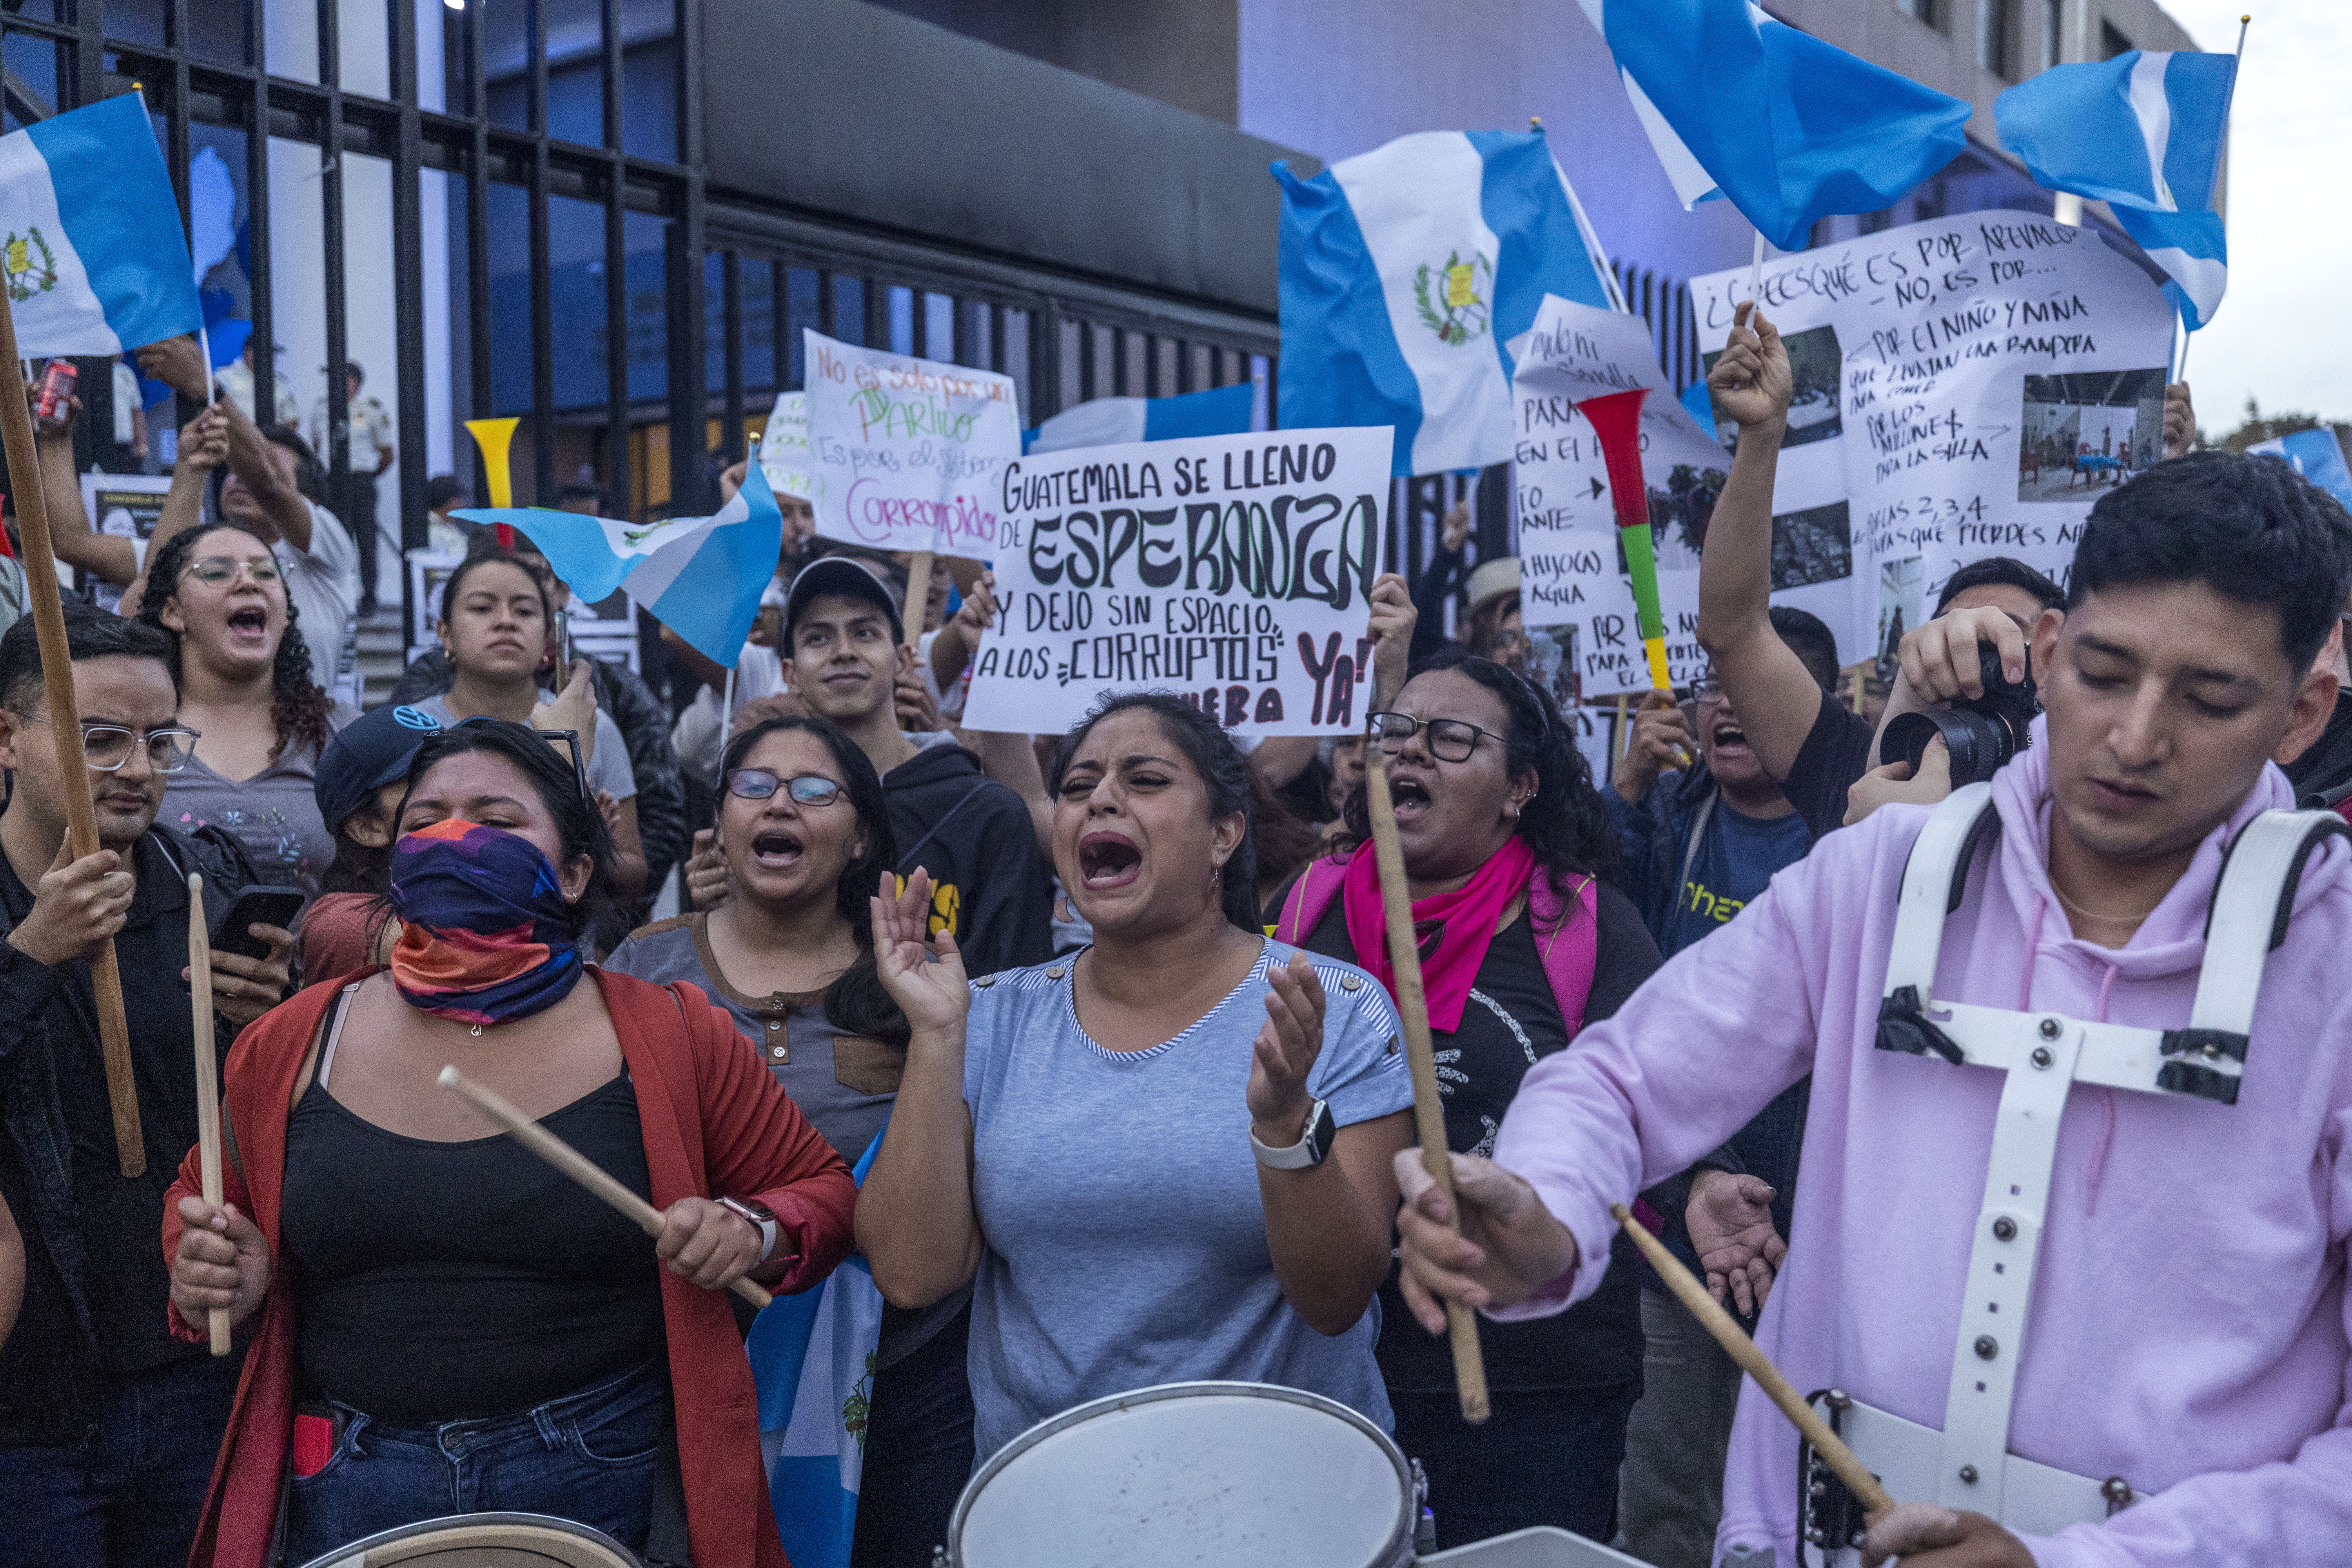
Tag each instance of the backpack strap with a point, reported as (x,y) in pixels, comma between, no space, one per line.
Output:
(1309,897)
(1568,938)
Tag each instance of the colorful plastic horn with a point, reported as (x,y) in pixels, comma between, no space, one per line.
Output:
(1617,421)
(494,436)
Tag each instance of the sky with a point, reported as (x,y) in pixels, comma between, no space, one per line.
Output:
(2283,333)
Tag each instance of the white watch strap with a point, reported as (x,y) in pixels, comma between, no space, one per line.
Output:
(767,1224)
(1298,1155)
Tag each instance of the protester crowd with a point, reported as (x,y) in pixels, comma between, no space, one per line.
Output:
(1036,990)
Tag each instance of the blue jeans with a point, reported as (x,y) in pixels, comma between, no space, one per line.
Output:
(128,1493)
(588,1457)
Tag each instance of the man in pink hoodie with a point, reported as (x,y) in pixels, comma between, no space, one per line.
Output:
(2187,1326)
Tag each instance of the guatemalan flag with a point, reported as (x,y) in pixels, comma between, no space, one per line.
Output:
(2143,133)
(1785,127)
(2316,455)
(1115,421)
(1406,270)
(92,250)
(813,1364)
(700,577)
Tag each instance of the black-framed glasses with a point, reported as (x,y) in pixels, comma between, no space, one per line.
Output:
(806,789)
(106,747)
(1450,740)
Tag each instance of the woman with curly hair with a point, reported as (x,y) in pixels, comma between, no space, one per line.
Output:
(247,687)
(1506,844)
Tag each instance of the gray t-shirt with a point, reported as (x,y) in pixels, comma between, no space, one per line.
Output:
(608,770)
(1126,1236)
(274,814)
(844,1084)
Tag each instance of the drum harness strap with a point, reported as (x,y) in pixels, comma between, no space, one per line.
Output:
(2041,1056)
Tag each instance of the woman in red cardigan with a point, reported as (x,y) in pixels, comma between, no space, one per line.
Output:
(446,1324)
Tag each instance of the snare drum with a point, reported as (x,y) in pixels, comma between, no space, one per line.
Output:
(1191,1473)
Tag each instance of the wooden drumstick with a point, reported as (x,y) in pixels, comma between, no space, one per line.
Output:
(574,1165)
(208,1123)
(1428,1111)
(1741,1349)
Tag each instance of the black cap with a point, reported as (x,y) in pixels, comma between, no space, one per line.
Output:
(364,755)
(844,576)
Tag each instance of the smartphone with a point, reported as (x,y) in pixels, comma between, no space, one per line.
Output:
(256,906)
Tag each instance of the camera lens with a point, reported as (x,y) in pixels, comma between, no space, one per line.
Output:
(1979,743)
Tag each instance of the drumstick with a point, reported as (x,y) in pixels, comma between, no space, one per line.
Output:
(208,1137)
(1428,1112)
(574,1165)
(1741,1349)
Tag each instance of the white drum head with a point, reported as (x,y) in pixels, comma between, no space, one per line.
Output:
(1220,1473)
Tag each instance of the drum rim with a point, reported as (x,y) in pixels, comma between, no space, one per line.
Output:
(1400,1537)
(397,1534)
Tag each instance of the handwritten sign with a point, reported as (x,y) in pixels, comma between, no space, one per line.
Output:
(1572,570)
(1965,387)
(907,451)
(785,456)
(1234,570)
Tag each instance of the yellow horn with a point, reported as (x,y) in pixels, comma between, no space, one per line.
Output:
(493,436)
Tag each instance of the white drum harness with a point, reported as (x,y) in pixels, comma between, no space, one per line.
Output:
(1968,1465)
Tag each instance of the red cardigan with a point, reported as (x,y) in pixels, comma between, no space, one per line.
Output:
(715,1123)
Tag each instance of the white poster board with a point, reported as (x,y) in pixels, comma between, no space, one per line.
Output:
(784,453)
(120,505)
(907,452)
(1573,574)
(1233,570)
(1965,387)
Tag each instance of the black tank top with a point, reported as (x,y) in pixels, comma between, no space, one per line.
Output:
(445,1281)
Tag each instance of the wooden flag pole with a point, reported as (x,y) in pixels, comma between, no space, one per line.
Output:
(208,1121)
(574,1165)
(1428,1111)
(1755,1363)
(919,596)
(65,725)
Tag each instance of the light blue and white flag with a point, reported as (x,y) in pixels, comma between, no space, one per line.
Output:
(812,1362)
(1117,421)
(1785,127)
(700,577)
(92,251)
(1406,270)
(2142,132)
(2317,456)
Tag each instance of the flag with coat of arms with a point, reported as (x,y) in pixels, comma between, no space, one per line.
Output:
(813,1364)
(1407,270)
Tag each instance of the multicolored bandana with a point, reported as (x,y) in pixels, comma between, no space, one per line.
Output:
(488,936)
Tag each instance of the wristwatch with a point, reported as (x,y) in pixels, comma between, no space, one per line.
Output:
(760,1218)
(1313,1143)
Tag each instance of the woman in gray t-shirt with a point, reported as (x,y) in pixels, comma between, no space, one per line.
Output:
(246,685)
(1077,1140)
(495,627)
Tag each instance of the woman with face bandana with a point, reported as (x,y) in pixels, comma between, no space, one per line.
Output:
(1504,839)
(441,1324)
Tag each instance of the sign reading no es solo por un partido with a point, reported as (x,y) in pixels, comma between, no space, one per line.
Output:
(906,453)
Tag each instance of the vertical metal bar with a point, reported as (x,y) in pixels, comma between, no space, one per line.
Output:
(408,286)
(610,16)
(996,352)
(688,411)
(478,226)
(338,455)
(959,323)
(731,308)
(617,454)
(780,314)
(543,304)
(263,341)
(1086,369)
(1044,361)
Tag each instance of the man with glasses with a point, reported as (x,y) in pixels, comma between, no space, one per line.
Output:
(107,1425)
(1697,848)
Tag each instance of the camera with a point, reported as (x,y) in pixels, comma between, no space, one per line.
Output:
(1981,733)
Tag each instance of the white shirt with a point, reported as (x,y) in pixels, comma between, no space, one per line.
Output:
(126,403)
(323,586)
(370,432)
(235,379)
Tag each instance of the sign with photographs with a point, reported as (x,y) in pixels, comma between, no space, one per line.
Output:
(1233,570)
(120,505)
(1575,594)
(1963,388)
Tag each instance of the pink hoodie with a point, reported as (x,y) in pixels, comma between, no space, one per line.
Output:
(2190,1328)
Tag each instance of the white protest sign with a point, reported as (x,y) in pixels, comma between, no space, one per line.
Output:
(1965,387)
(1573,573)
(1231,570)
(907,451)
(785,456)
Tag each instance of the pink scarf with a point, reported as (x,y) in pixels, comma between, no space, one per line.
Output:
(1454,928)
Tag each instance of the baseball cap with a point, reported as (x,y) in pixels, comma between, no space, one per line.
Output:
(847,576)
(1492,580)
(367,753)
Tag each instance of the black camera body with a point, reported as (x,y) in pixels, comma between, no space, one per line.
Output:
(1981,733)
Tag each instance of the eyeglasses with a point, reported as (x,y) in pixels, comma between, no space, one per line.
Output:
(1450,740)
(219,570)
(1706,688)
(759,784)
(106,747)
